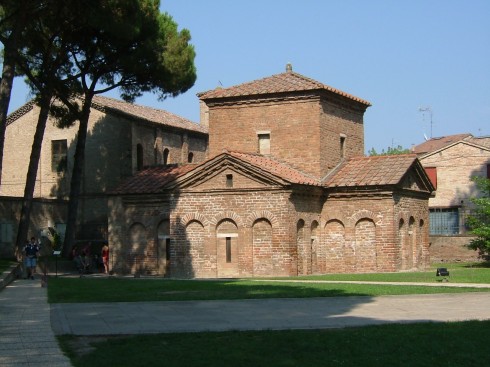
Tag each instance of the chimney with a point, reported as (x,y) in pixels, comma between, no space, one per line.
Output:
(289,67)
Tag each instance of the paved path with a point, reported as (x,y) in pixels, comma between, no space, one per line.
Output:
(26,337)
(307,313)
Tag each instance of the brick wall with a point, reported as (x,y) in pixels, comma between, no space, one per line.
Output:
(361,235)
(199,226)
(304,131)
(452,249)
(339,120)
(277,232)
(292,125)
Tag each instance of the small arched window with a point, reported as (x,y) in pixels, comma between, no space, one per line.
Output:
(166,153)
(190,157)
(139,157)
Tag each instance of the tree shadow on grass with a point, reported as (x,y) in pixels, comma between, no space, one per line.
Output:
(483,264)
(152,306)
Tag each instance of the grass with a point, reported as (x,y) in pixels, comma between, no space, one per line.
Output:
(428,344)
(459,273)
(5,264)
(79,290)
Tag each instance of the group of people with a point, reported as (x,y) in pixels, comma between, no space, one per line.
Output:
(83,260)
(86,263)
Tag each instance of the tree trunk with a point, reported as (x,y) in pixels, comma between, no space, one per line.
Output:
(76,177)
(25,215)
(8,72)
(5,93)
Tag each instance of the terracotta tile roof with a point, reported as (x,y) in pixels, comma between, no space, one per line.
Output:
(483,141)
(21,111)
(279,83)
(146,113)
(371,171)
(151,180)
(434,144)
(276,168)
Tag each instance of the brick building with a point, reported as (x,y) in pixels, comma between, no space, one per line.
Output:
(451,162)
(285,191)
(122,139)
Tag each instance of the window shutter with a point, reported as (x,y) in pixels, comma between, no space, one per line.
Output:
(432,173)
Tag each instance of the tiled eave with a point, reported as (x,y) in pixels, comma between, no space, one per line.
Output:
(21,111)
(138,119)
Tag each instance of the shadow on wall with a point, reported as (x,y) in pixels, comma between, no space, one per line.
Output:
(462,195)
(107,162)
(148,240)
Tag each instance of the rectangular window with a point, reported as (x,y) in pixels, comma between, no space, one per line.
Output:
(432,173)
(264,143)
(60,228)
(6,233)
(167,249)
(229,180)
(444,221)
(342,145)
(58,155)
(228,249)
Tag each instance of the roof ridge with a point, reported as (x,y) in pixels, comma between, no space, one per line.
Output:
(276,83)
(142,106)
(278,161)
(385,156)
(146,113)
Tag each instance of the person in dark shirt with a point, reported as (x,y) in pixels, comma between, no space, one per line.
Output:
(31,251)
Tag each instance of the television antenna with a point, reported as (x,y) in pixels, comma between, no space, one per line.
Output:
(424,110)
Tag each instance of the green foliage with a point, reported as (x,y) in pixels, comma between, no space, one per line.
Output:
(128,45)
(390,151)
(71,50)
(54,238)
(5,264)
(479,222)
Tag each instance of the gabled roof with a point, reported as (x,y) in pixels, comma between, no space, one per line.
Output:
(21,111)
(151,180)
(146,113)
(276,168)
(434,144)
(356,172)
(371,171)
(130,110)
(483,141)
(279,83)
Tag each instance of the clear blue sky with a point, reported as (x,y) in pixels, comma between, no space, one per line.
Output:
(399,55)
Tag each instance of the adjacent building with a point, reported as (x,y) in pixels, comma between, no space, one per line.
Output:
(122,139)
(451,162)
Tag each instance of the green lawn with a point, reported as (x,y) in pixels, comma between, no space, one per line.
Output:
(115,289)
(459,273)
(5,264)
(428,344)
